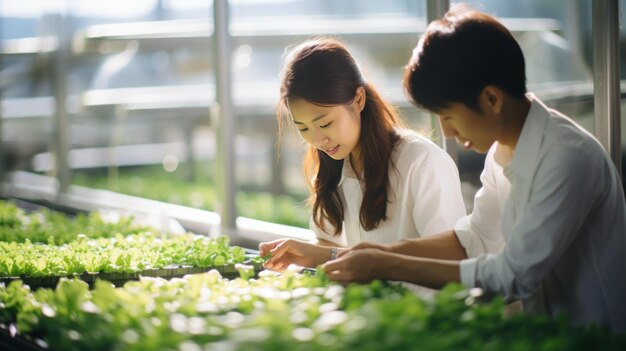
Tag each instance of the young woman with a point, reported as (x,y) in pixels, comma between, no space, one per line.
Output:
(371,180)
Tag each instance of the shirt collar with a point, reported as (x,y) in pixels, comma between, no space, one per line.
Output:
(526,152)
(346,171)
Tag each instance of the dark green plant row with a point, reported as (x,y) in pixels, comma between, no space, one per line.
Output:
(156,184)
(50,227)
(277,312)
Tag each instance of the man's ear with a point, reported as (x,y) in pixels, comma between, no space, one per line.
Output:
(492,99)
(359,98)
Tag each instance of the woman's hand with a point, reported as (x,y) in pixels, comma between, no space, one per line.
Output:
(285,252)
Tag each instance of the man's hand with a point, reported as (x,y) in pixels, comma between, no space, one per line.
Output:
(364,245)
(357,266)
(285,252)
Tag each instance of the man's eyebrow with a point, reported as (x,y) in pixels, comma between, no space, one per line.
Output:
(314,119)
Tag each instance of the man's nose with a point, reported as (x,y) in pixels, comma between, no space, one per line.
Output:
(448,131)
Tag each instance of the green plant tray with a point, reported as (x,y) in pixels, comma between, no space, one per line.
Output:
(119,278)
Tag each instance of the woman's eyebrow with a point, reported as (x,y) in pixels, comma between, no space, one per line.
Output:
(314,119)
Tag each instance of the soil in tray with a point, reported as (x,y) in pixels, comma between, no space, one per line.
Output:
(11,342)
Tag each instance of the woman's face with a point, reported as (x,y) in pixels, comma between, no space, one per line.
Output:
(334,130)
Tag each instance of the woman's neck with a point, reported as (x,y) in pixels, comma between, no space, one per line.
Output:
(356,162)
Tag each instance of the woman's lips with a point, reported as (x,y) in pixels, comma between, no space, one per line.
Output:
(332,150)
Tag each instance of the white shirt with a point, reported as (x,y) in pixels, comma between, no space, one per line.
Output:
(424,197)
(479,232)
(564,225)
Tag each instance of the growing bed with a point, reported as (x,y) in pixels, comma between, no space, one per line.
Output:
(134,289)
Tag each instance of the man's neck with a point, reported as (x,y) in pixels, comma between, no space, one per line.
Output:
(516,113)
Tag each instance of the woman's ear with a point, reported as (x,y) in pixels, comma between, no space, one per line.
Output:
(492,98)
(360,98)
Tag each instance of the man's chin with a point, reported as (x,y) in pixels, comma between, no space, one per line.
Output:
(481,149)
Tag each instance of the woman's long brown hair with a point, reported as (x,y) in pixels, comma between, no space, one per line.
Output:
(322,71)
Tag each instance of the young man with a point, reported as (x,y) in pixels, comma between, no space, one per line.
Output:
(556,239)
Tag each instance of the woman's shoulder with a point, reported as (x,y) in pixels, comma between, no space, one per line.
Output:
(415,145)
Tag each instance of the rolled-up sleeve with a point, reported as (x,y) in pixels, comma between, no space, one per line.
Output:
(468,272)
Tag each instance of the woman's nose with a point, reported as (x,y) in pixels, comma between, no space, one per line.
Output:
(321,139)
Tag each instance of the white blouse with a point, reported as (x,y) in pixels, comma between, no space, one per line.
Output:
(425,196)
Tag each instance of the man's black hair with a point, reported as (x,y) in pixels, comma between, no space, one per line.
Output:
(458,56)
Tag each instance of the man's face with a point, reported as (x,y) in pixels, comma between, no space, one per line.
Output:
(474,130)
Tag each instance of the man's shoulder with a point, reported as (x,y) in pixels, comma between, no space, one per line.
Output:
(564,135)
(569,149)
